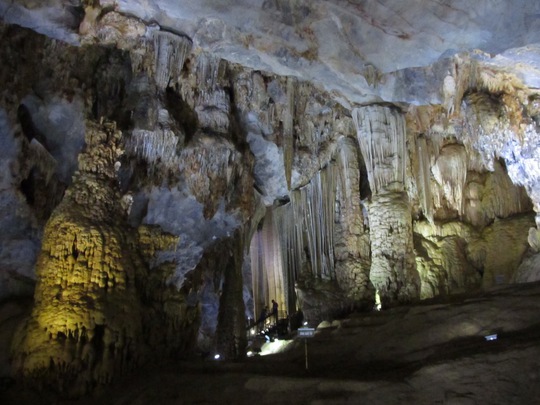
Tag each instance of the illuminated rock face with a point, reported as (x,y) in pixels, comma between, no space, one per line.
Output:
(98,311)
(393,272)
(86,323)
(351,237)
(381,135)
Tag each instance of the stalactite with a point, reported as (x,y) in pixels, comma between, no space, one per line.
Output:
(345,157)
(259,292)
(273,263)
(450,171)
(291,240)
(314,206)
(170,51)
(269,281)
(436,141)
(381,135)
(212,103)
(491,195)
(423,175)
(288,143)
(213,109)
(138,54)
(155,147)
(301,233)
(211,166)
(209,71)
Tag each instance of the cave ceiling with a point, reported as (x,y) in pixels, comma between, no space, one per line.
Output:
(359,51)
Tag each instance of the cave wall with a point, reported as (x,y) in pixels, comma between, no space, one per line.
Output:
(143,165)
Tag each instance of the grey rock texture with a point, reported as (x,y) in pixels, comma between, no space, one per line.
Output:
(313,152)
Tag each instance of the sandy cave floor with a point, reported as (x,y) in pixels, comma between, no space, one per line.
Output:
(431,353)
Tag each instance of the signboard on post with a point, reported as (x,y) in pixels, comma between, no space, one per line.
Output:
(306,332)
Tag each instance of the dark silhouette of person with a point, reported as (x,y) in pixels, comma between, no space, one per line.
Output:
(275,310)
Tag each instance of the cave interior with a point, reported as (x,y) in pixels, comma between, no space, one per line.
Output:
(168,169)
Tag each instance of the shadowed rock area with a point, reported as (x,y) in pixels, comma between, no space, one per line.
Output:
(433,353)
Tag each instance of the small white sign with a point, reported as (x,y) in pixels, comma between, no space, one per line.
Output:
(306,332)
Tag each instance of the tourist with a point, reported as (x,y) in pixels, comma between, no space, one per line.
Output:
(275,311)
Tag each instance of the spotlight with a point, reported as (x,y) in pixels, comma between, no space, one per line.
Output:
(305,323)
(217,356)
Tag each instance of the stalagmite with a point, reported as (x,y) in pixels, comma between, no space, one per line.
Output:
(351,236)
(393,271)
(441,258)
(381,135)
(85,326)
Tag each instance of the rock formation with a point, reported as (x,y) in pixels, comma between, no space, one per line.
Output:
(381,135)
(169,168)
(86,321)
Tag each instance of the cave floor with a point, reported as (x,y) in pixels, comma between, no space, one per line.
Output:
(431,353)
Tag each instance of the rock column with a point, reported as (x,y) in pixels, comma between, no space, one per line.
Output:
(381,135)
(352,245)
(86,323)
(393,270)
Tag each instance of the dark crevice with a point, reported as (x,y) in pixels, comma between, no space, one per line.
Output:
(28,128)
(182,113)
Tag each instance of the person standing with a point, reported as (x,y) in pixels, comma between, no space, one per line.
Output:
(275,311)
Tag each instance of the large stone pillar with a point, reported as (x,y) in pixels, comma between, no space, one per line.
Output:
(393,269)
(381,135)
(85,326)
(352,245)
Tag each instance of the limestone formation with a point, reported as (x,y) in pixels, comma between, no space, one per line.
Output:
(86,322)
(352,244)
(381,135)
(393,272)
(321,154)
